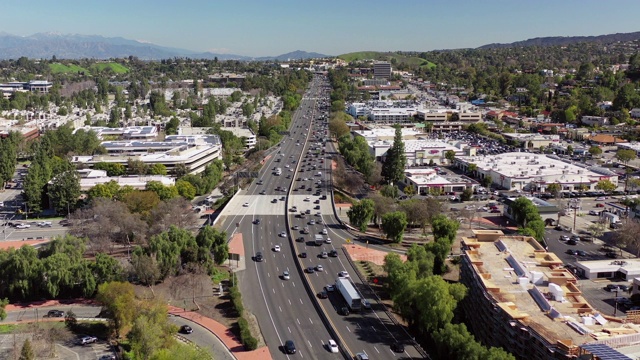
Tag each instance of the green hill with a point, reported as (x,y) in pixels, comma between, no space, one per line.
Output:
(58,68)
(386,56)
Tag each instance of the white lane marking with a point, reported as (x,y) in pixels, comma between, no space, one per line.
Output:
(377,349)
(301,301)
(288,328)
(289,301)
(280,308)
(311,321)
(298,320)
(348,329)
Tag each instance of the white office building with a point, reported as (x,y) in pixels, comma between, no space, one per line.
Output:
(534,172)
(422,152)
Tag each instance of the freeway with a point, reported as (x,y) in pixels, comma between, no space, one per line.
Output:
(283,307)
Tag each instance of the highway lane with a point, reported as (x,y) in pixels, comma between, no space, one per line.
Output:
(371,331)
(283,308)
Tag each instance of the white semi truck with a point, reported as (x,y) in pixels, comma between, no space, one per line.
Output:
(349,293)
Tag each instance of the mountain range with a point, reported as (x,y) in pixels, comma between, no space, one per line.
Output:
(75,46)
(567,40)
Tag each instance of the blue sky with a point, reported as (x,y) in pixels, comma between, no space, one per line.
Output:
(333,27)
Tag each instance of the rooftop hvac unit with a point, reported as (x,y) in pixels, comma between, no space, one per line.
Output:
(566,166)
(543,167)
(513,163)
(538,172)
(552,165)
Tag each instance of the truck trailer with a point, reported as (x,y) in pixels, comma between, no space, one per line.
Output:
(319,240)
(349,293)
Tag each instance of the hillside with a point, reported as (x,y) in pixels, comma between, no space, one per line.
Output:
(387,56)
(567,40)
(58,68)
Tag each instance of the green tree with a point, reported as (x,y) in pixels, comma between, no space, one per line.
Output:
(27,352)
(595,150)
(444,228)
(171,128)
(112,169)
(554,189)
(394,224)
(361,213)
(158,169)
(119,299)
(3,312)
(466,194)
(390,191)
(64,191)
(625,155)
(185,189)
(396,160)
(523,211)
(8,158)
(164,192)
(338,126)
(450,155)
(606,186)
(486,181)
(137,167)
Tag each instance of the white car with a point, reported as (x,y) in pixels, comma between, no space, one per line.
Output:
(329,288)
(286,276)
(283,234)
(44,223)
(23,226)
(343,274)
(327,240)
(333,347)
(276,248)
(312,222)
(245,204)
(319,268)
(324,231)
(601,198)
(307,199)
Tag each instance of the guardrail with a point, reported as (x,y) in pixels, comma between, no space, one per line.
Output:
(393,319)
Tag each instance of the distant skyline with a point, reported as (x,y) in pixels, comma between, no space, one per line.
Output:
(266,28)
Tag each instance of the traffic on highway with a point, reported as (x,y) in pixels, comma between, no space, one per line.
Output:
(299,284)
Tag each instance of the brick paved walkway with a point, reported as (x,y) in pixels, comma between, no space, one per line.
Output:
(362,253)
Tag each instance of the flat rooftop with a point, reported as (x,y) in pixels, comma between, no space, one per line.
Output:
(525,165)
(532,136)
(417,145)
(522,278)
(431,177)
(389,132)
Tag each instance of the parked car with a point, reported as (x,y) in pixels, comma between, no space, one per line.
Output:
(84,340)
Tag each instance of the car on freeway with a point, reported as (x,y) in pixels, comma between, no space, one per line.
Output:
(44,223)
(312,222)
(186,329)
(289,347)
(333,347)
(286,276)
(333,253)
(84,340)
(300,239)
(283,234)
(310,270)
(245,204)
(343,274)
(330,288)
(323,294)
(259,257)
(324,255)
(397,347)
(327,240)
(344,311)
(256,221)
(23,226)
(324,231)
(295,227)
(319,268)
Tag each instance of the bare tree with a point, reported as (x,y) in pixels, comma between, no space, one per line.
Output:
(627,236)
(469,215)
(383,205)
(176,211)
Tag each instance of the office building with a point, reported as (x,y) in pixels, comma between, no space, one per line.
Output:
(521,298)
(382,70)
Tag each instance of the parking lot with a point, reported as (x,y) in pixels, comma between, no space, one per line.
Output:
(61,350)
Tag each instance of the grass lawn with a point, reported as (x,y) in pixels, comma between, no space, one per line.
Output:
(58,68)
(29,327)
(115,67)
(387,56)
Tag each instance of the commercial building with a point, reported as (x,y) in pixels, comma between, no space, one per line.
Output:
(90,178)
(126,133)
(249,138)
(545,209)
(388,133)
(422,152)
(382,69)
(627,269)
(391,115)
(39,86)
(635,146)
(594,120)
(427,181)
(195,152)
(521,298)
(534,172)
(532,141)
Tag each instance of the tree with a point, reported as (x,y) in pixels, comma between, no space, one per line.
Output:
(361,213)
(570,150)
(390,191)
(554,189)
(396,159)
(185,189)
(3,312)
(627,236)
(27,352)
(606,186)
(595,150)
(394,224)
(409,190)
(450,155)
(486,181)
(119,299)
(444,228)
(523,211)
(158,169)
(8,158)
(171,128)
(625,155)
(64,191)
(466,194)
(164,192)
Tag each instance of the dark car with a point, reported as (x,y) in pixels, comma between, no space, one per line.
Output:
(256,221)
(55,313)
(612,255)
(571,242)
(186,329)
(303,255)
(333,253)
(581,253)
(259,257)
(289,347)
(572,252)
(310,269)
(397,347)
(323,294)
(344,311)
